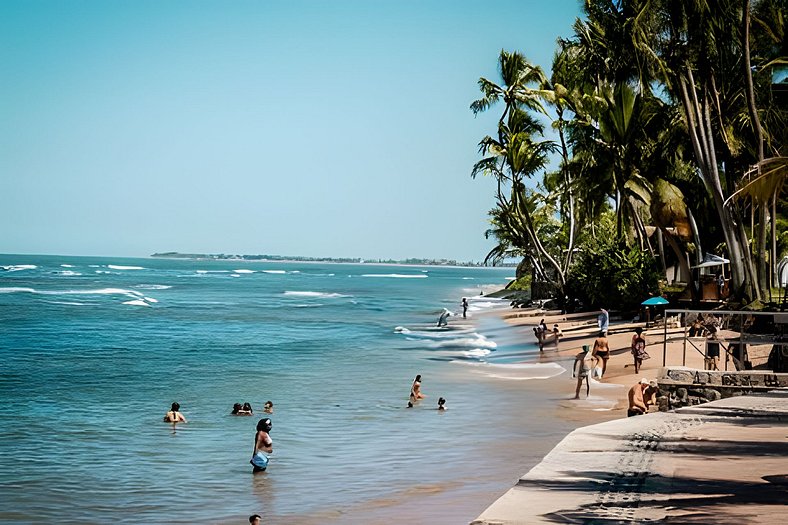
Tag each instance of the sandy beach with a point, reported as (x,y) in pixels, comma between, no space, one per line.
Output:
(708,462)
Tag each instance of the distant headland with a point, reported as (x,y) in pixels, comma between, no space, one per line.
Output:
(291,258)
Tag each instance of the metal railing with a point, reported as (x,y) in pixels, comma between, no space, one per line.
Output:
(749,328)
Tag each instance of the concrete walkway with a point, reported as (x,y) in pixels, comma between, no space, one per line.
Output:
(721,463)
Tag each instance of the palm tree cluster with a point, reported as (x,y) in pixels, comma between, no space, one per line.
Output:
(671,130)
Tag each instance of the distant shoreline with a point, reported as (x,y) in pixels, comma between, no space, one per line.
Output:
(447,263)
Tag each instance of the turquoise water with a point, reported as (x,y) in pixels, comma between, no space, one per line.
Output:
(94,350)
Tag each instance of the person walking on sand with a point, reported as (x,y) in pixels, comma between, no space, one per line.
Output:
(601,352)
(464,307)
(582,369)
(640,396)
(639,349)
(557,334)
(174,416)
(603,320)
(262,446)
(415,389)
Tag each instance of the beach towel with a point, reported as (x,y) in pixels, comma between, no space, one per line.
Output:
(259,460)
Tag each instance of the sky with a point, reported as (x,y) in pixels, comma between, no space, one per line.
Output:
(315,128)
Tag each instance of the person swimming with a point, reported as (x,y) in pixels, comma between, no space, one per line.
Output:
(441,403)
(174,416)
(268,408)
(236,408)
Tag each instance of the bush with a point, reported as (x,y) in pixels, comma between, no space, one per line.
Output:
(609,275)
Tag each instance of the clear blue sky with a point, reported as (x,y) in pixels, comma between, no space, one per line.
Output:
(318,128)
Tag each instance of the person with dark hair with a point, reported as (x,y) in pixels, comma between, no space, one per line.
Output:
(582,369)
(415,389)
(464,307)
(255,519)
(262,446)
(174,416)
(268,408)
(441,402)
(601,351)
(246,410)
(236,409)
(639,348)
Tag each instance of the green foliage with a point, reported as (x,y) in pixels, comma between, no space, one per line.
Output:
(607,273)
(522,284)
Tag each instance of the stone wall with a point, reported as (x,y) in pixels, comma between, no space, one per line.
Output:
(681,386)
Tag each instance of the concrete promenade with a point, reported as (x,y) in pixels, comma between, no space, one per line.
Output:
(720,463)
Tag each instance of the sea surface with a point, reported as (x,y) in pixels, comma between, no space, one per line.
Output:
(93,350)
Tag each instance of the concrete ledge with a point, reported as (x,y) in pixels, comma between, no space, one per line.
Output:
(722,462)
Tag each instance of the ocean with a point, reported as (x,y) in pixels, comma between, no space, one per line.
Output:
(93,350)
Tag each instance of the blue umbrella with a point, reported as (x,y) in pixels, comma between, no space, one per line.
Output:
(653,301)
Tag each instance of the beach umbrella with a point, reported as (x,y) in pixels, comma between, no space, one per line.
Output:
(654,301)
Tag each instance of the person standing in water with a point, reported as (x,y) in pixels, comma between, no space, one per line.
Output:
(464,307)
(441,403)
(415,389)
(174,416)
(443,320)
(262,446)
(582,369)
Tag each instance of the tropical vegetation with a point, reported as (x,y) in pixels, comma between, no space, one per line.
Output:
(668,140)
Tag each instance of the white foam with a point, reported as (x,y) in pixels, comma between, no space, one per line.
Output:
(19,267)
(66,265)
(133,295)
(104,271)
(275,271)
(401,330)
(395,275)
(243,271)
(308,305)
(518,371)
(315,294)
(68,273)
(16,289)
(479,341)
(477,352)
(136,302)
(468,278)
(153,287)
(120,267)
(234,275)
(212,271)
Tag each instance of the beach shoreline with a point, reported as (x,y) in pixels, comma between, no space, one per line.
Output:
(598,447)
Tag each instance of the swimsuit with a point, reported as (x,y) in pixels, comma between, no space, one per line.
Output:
(259,460)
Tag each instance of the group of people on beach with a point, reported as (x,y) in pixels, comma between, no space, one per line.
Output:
(542,334)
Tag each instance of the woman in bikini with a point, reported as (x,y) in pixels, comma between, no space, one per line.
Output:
(415,389)
(262,446)
(601,351)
